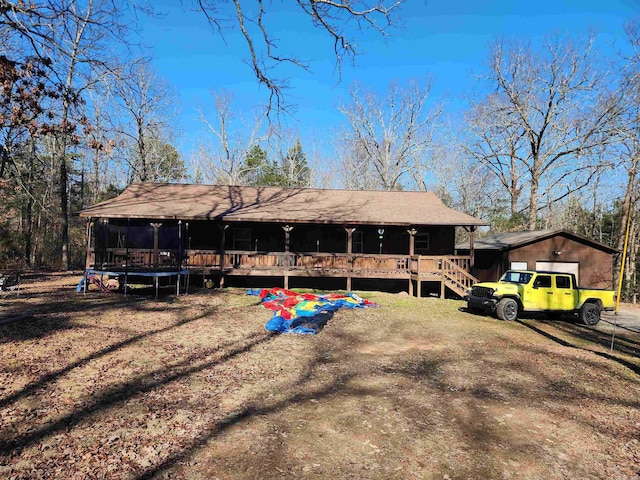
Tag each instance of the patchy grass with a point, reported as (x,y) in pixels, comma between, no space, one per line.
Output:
(193,387)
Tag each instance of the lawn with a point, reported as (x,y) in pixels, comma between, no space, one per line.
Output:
(102,386)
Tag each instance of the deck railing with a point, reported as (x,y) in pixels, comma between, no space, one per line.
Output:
(134,258)
(437,266)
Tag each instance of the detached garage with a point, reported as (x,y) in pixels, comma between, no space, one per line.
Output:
(550,250)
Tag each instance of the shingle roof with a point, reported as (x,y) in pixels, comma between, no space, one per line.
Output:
(276,204)
(509,240)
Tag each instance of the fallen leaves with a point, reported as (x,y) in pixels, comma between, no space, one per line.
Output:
(107,387)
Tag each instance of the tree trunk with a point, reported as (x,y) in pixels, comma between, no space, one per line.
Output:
(533,204)
(64,206)
(5,159)
(632,250)
(624,219)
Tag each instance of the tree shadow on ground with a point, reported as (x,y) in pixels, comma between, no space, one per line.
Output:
(426,370)
(28,321)
(626,341)
(134,387)
(53,375)
(586,334)
(461,408)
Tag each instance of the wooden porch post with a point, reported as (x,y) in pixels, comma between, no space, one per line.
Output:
(126,258)
(349,231)
(418,282)
(179,256)
(89,231)
(155,226)
(105,248)
(471,247)
(223,239)
(287,264)
(412,243)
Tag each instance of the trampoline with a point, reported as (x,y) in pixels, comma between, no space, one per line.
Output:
(126,273)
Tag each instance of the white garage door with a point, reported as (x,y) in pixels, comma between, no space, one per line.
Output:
(560,267)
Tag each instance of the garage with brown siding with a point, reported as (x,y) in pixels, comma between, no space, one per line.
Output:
(550,250)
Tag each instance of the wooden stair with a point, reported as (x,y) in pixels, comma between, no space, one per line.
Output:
(456,279)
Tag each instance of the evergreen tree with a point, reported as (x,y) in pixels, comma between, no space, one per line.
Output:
(292,171)
(253,167)
(295,168)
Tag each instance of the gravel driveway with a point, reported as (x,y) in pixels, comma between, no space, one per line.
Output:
(628,318)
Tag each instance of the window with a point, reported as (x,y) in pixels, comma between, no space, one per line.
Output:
(357,242)
(421,243)
(543,281)
(516,277)
(242,239)
(563,282)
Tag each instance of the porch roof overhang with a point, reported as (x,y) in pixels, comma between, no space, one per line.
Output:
(164,201)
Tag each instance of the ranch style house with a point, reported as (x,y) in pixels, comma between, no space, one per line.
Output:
(282,236)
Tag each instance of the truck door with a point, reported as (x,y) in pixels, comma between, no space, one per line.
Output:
(566,296)
(542,293)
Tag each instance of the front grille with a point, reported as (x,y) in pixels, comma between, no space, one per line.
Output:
(482,292)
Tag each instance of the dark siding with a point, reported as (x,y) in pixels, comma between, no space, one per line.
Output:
(486,266)
(595,265)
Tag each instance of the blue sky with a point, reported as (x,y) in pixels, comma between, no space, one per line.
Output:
(446,40)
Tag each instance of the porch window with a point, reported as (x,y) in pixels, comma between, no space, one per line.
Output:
(421,243)
(357,242)
(242,239)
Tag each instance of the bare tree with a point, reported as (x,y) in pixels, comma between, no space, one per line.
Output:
(389,139)
(556,115)
(223,158)
(497,142)
(144,115)
(75,40)
(627,150)
(465,184)
(97,160)
(336,18)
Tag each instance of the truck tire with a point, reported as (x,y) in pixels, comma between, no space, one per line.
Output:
(589,314)
(507,309)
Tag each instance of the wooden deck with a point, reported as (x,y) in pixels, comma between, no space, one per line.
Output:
(450,271)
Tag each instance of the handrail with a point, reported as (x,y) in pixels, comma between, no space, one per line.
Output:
(462,279)
(286,261)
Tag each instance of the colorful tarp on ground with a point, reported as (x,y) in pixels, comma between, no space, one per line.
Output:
(304,313)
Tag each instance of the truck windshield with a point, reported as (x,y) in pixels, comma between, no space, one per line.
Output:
(516,277)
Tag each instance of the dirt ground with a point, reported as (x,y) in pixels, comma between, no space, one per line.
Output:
(102,386)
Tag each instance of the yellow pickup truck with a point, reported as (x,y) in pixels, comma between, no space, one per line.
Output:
(550,292)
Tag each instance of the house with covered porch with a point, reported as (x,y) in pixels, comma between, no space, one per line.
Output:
(281,235)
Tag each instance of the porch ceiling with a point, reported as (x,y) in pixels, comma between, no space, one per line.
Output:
(279,205)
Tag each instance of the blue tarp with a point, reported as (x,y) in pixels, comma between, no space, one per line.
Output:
(304,313)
